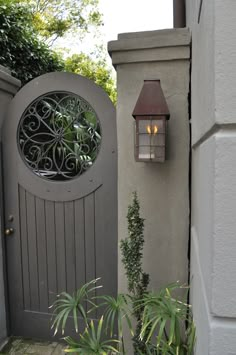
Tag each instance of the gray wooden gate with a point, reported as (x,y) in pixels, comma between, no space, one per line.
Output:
(60,190)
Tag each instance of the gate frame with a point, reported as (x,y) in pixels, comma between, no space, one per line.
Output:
(8,88)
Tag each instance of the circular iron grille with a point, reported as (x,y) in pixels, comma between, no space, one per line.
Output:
(59,136)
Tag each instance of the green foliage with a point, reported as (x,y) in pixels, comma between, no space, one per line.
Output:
(24,52)
(97,71)
(132,250)
(73,305)
(167,326)
(21,51)
(132,254)
(167,323)
(55,18)
(90,342)
(116,310)
(164,322)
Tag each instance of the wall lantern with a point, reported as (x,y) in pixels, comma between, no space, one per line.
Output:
(150,113)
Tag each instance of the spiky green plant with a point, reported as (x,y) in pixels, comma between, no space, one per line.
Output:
(168,321)
(116,310)
(74,305)
(164,323)
(90,342)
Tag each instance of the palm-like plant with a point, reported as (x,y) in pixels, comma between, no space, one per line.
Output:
(74,305)
(91,342)
(116,311)
(169,322)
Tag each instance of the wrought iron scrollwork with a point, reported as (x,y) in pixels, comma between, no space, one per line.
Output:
(59,136)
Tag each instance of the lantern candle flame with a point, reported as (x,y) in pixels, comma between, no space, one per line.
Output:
(152,129)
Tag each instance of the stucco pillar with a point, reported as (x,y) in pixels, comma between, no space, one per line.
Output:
(8,88)
(163,188)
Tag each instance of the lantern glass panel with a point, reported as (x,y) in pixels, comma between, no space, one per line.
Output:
(159,153)
(158,140)
(150,139)
(144,139)
(145,153)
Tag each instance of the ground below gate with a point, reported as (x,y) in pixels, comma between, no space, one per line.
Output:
(20,346)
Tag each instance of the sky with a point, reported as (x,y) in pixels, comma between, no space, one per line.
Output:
(135,15)
(120,16)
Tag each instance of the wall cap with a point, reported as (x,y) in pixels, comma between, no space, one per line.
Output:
(171,44)
(8,83)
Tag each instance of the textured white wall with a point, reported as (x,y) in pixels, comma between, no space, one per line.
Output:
(213,95)
(225,61)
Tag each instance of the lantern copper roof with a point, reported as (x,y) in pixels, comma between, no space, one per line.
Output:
(151,101)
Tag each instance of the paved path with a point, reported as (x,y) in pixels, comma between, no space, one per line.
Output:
(19,346)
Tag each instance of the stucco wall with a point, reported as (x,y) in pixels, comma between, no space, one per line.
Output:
(213,96)
(8,87)
(162,187)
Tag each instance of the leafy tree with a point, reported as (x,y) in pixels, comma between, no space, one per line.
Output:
(21,50)
(98,71)
(24,51)
(55,18)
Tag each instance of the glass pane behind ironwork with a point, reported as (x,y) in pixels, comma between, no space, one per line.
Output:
(59,136)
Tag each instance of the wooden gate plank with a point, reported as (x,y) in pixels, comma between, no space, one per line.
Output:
(70,245)
(42,255)
(89,237)
(60,246)
(90,252)
(24,247)
(33,257)
(80,242)
(51,251)
(100,247)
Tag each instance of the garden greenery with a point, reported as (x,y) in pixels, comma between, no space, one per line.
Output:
(25,51)
(165,321)
(21,50)
(95,70)
(56,18)
(132,255)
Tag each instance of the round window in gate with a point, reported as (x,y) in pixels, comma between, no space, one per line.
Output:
(59,136)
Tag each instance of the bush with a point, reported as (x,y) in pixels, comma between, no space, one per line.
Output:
(21,49)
